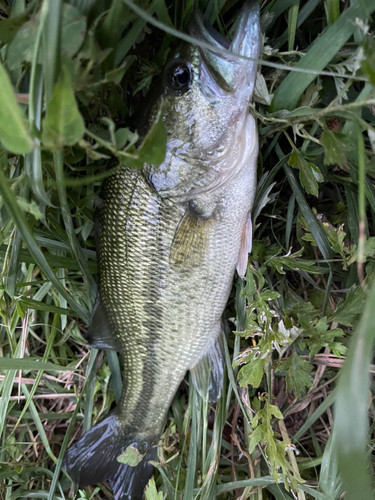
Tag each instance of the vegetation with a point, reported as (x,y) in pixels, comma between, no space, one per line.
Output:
(297,414)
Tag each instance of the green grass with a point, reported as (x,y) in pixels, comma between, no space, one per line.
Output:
(297,409)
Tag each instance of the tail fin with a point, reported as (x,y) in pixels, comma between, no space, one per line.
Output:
(94,459)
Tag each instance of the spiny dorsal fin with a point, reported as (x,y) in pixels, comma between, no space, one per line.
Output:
(99,333)
(190,241)
(207,374)
(245,248)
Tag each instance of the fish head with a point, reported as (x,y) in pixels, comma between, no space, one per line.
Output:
(205,94)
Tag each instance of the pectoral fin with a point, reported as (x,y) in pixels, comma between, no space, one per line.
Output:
(207,374)
(99,334)
(245,248)
(190,241)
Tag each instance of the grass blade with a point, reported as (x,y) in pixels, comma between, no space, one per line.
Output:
(320,54)
(351,421)
(11,204)
(332,11)
(318,233)
(51,38)
(30,364)
(7,387)
(292,24)
(65,210)
(38,423)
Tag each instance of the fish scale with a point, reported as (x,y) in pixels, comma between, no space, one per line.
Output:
(172,236)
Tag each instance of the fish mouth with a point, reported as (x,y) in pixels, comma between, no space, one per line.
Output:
(229,71)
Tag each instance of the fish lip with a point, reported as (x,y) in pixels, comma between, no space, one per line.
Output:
(246,41)
(238,72)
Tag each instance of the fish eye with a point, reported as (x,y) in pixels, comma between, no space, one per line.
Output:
(180,76)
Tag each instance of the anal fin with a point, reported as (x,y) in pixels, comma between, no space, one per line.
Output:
(245,248)
(207,374)
(99,333)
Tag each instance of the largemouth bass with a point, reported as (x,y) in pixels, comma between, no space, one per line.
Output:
(171,239)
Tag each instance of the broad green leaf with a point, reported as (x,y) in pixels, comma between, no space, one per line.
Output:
(298,375)
(335,145)
(30,207)
(255,438)
(9,28)
(72,34)
(349,308)
(63,125)
(281,264)
(368,250)
(13,133)
(275,450)
(268,295)
(153,148)
(336,237)
(261,93)
(252,372)
(124,136)
(152,492)
(309,174)
(117,74)
(73,30)
(130,456)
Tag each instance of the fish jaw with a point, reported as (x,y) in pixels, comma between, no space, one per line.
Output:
(231,73)
(246,43)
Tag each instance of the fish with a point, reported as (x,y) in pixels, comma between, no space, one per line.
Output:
(171,237)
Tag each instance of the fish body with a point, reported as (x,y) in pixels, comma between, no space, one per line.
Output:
(171,238)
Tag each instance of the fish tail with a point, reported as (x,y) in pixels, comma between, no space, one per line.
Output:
(93,459)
